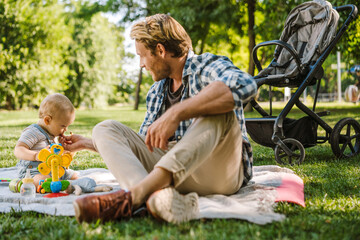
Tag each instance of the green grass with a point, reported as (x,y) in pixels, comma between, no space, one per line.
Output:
(332,191)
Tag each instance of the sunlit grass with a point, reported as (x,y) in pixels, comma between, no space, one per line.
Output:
(332,190)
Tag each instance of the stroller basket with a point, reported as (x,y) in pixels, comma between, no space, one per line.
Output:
(304,130)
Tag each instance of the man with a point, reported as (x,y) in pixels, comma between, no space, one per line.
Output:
(193,139)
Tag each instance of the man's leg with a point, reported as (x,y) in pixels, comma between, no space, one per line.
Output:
(128,159)
(208,160)
(157,179)
(124,152)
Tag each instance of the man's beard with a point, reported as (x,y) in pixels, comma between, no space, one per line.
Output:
(161,73)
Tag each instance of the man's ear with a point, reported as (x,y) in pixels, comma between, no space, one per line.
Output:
(160,49)
(47,120)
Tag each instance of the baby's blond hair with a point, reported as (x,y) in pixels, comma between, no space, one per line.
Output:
(55,104)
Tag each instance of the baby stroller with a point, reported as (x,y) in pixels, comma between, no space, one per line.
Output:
(309,35)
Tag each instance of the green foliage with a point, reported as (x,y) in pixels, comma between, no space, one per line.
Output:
(32,39)
(147,81)
(51,46)
(70,47)
(220,27)
(126,83)
(230,44)
(199,17)
(93,67)
(350,42)
(207,22)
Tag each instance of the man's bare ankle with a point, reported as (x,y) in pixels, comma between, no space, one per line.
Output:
(137,198)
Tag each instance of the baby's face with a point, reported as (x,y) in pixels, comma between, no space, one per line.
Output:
(59,125)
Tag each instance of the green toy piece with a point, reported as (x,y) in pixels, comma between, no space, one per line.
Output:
(46,185)
(64,185)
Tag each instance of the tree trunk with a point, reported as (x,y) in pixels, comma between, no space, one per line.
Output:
(251,35)
(137,96)
(203,38)
(9,102)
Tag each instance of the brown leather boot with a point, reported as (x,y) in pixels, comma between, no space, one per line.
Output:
(106,207)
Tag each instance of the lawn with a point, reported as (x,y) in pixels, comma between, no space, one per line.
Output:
(331,190)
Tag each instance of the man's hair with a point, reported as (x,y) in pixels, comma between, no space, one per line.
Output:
(55,104)
(161,28)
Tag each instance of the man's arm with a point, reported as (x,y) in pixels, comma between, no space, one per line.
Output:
(216,98)
(74,143)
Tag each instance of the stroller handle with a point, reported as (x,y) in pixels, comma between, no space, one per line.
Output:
(352,7)
(280,43)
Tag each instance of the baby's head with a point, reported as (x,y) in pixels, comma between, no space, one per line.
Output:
(56,113)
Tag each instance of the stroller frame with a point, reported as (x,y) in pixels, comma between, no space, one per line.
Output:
(290,150)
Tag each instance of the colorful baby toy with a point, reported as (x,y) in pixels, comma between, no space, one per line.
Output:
(54,161)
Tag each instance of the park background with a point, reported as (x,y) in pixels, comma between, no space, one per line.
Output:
(82,49)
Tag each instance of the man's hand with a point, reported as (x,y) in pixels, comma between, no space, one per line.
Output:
(216,98)
(75,142)
(161,130)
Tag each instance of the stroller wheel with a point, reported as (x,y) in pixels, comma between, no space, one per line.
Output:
(345,138)
(296,156)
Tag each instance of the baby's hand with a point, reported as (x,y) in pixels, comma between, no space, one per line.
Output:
(64,139)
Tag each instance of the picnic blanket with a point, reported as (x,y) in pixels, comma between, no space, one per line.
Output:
(255,202)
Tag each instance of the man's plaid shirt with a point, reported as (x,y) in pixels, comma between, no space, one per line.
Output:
(199,71)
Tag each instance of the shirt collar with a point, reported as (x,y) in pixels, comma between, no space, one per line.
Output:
(187,68)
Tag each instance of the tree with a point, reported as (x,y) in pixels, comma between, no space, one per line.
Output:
(350,43)
(30,51)
(57,46)
(137,93)
(251,33)
(94,58)
(197,17)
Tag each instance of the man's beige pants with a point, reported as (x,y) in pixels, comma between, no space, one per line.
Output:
(207,160)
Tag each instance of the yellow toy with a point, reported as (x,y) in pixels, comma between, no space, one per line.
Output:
(54,161)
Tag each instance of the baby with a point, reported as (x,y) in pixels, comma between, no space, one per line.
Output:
(56,114)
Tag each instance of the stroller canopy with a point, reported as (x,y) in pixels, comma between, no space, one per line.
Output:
(309,29)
